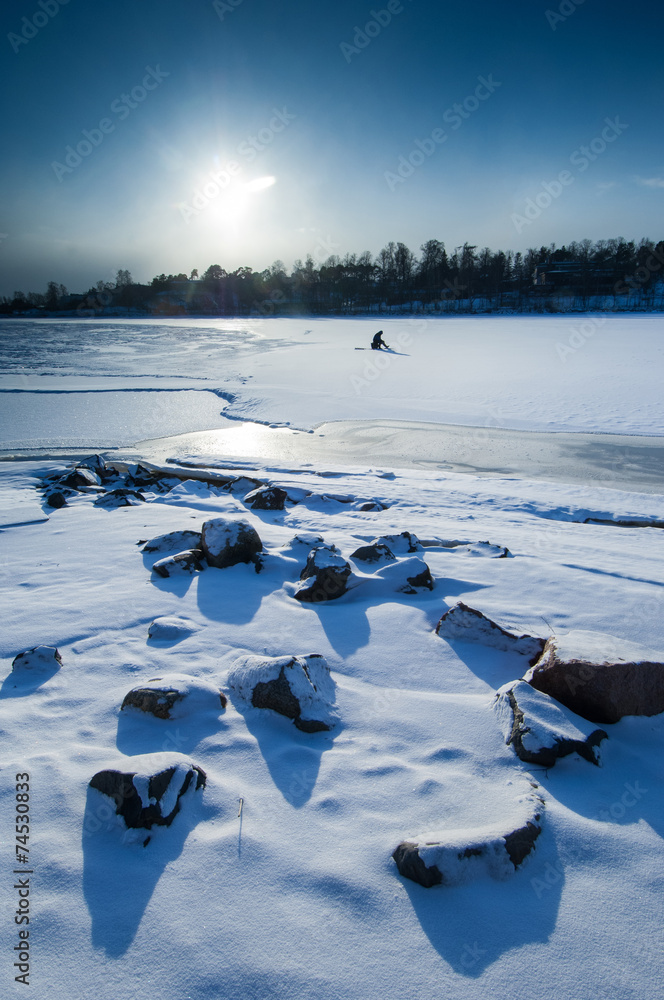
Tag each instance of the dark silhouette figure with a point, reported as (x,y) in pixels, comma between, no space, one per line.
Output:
(378,341)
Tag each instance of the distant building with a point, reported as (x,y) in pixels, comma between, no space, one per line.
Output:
(572,276)
(557,274)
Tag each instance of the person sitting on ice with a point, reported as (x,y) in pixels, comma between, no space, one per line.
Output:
(378,341)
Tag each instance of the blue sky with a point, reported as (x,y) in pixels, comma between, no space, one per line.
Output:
(322,140)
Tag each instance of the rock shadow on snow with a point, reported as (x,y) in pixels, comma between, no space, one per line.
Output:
(293,758)
(141,733)
(344,622)
(233,594)
(119,877)
(473,925)
(177,584)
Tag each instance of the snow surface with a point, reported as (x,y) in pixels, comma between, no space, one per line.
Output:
(297,897)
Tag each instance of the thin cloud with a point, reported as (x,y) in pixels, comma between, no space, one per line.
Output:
(651,182)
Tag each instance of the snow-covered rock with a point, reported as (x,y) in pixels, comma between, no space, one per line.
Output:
(600,676)
(187,562)
(154,480)
(171,628)
(368,505)
(151,795)
(454,856)
(407,576)
(373,553)
(174,541)
(325,576)
(38,658)
(120,498)
(466,624)
(267,498)
(173,696)
(226,543)
(306,538)
(540,730)
(56,499)
(299,687)
(402,544)
(486,550)
(80,478)
(96,464)
(241,485)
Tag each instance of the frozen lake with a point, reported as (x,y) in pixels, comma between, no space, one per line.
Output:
(479,395)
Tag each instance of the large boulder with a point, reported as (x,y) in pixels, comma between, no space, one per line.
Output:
(299,687)
(182,563)
(39,658)
(227,543)
(267,498)
(151,795)
(540,730)
(466,624)
(599,676)
(325,576)
(173,696)
(454,856)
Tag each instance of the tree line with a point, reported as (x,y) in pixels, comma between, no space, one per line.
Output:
(606,274)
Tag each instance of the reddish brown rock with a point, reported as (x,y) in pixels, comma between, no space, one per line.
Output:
(600,677)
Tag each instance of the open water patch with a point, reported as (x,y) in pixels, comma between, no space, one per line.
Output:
(33,422)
